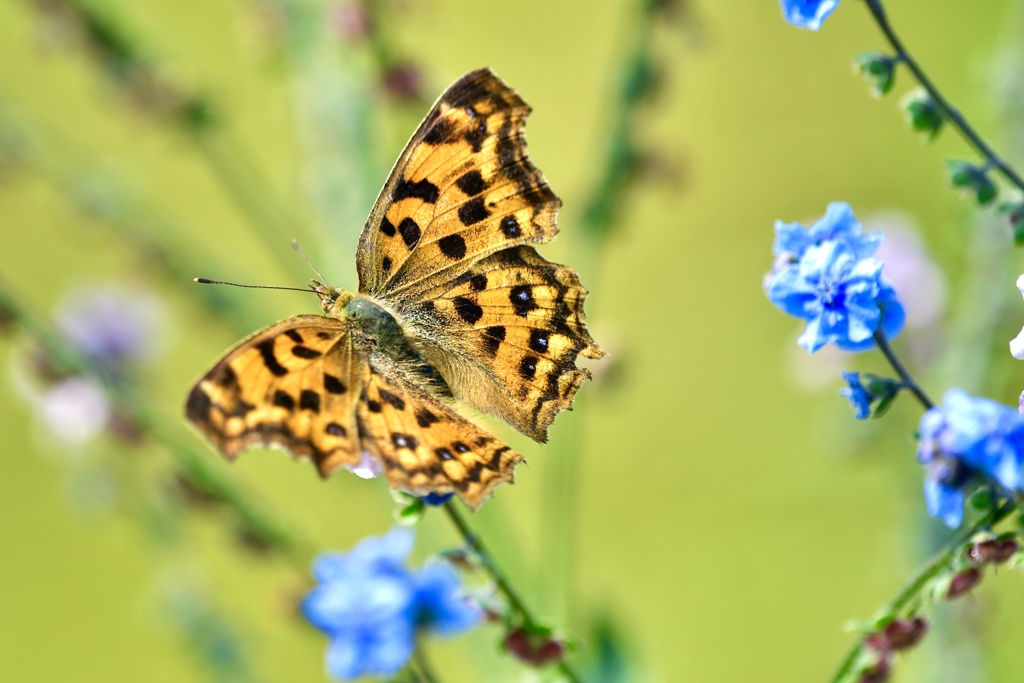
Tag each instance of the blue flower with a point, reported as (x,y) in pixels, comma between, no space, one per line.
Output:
(963,441)
(808,13)
(371,605)
(437,499)
(860,398)
(844,298)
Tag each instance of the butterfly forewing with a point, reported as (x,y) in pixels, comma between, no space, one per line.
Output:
(291,385)
(463,188)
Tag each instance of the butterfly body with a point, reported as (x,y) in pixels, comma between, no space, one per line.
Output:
(453,307)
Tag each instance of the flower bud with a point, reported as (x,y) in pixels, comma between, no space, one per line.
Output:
(972,179)
(923,113)
(878,68)
(537,648)
(876,673)
(995,550)
(963,582)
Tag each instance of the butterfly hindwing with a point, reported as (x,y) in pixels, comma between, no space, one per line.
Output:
(512,328)
(423,445)
(463,188)
(292,385)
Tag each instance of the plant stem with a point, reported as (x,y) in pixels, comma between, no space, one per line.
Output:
(908,381)
(939,563)
(992,160)
(503,584)
(421,665)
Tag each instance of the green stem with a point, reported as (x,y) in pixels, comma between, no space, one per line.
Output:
(992,160)
(507,589)
(199,467)
(908,381)
(935,567)
(421,665)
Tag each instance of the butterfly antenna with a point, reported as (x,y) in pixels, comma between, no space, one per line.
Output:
(204,281)
(296,247)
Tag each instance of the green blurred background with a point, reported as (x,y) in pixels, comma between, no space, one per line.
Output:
(726,514)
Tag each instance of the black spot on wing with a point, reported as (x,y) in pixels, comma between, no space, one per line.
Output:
(266,349)
(410,232)
(473,211)
(404,440)
(387,227)
(394,400)
(478,282)
(199,405)
(294,336)
(309,400)
(467,309)
(421,189)
(471,183)
(335,429)
(444,453)
(385,264)
(284,400)
(528,367)
(425,418)
(440,131)
(492,338)
(521,298)
(539,341)
(305,352)
(510,227)
(452,246)
(333,385)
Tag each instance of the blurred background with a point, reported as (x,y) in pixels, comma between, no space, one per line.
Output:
(709,512)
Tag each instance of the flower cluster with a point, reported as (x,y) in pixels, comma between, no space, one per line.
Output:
(808,13)
(825,275)
(964,441)
(371,605)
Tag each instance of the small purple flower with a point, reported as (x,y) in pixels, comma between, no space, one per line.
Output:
(112,326)
(963,441)
(371,605)
(808,13)
(860,398)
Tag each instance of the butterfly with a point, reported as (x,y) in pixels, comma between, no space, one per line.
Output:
(453,306)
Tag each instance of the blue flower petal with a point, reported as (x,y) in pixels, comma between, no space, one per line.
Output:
(808,13)
(860,398)
(944,502)
(441,605)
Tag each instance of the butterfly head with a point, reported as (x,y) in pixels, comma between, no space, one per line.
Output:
(332,299)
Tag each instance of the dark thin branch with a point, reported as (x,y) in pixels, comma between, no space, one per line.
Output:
(908,381)
(992,160)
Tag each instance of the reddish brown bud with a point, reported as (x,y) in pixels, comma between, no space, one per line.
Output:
(1008,547)
(535,649)
(518,643)
(905,633)
(403,81)
(878,673)
(963,582)
(899,634)
(551,651)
